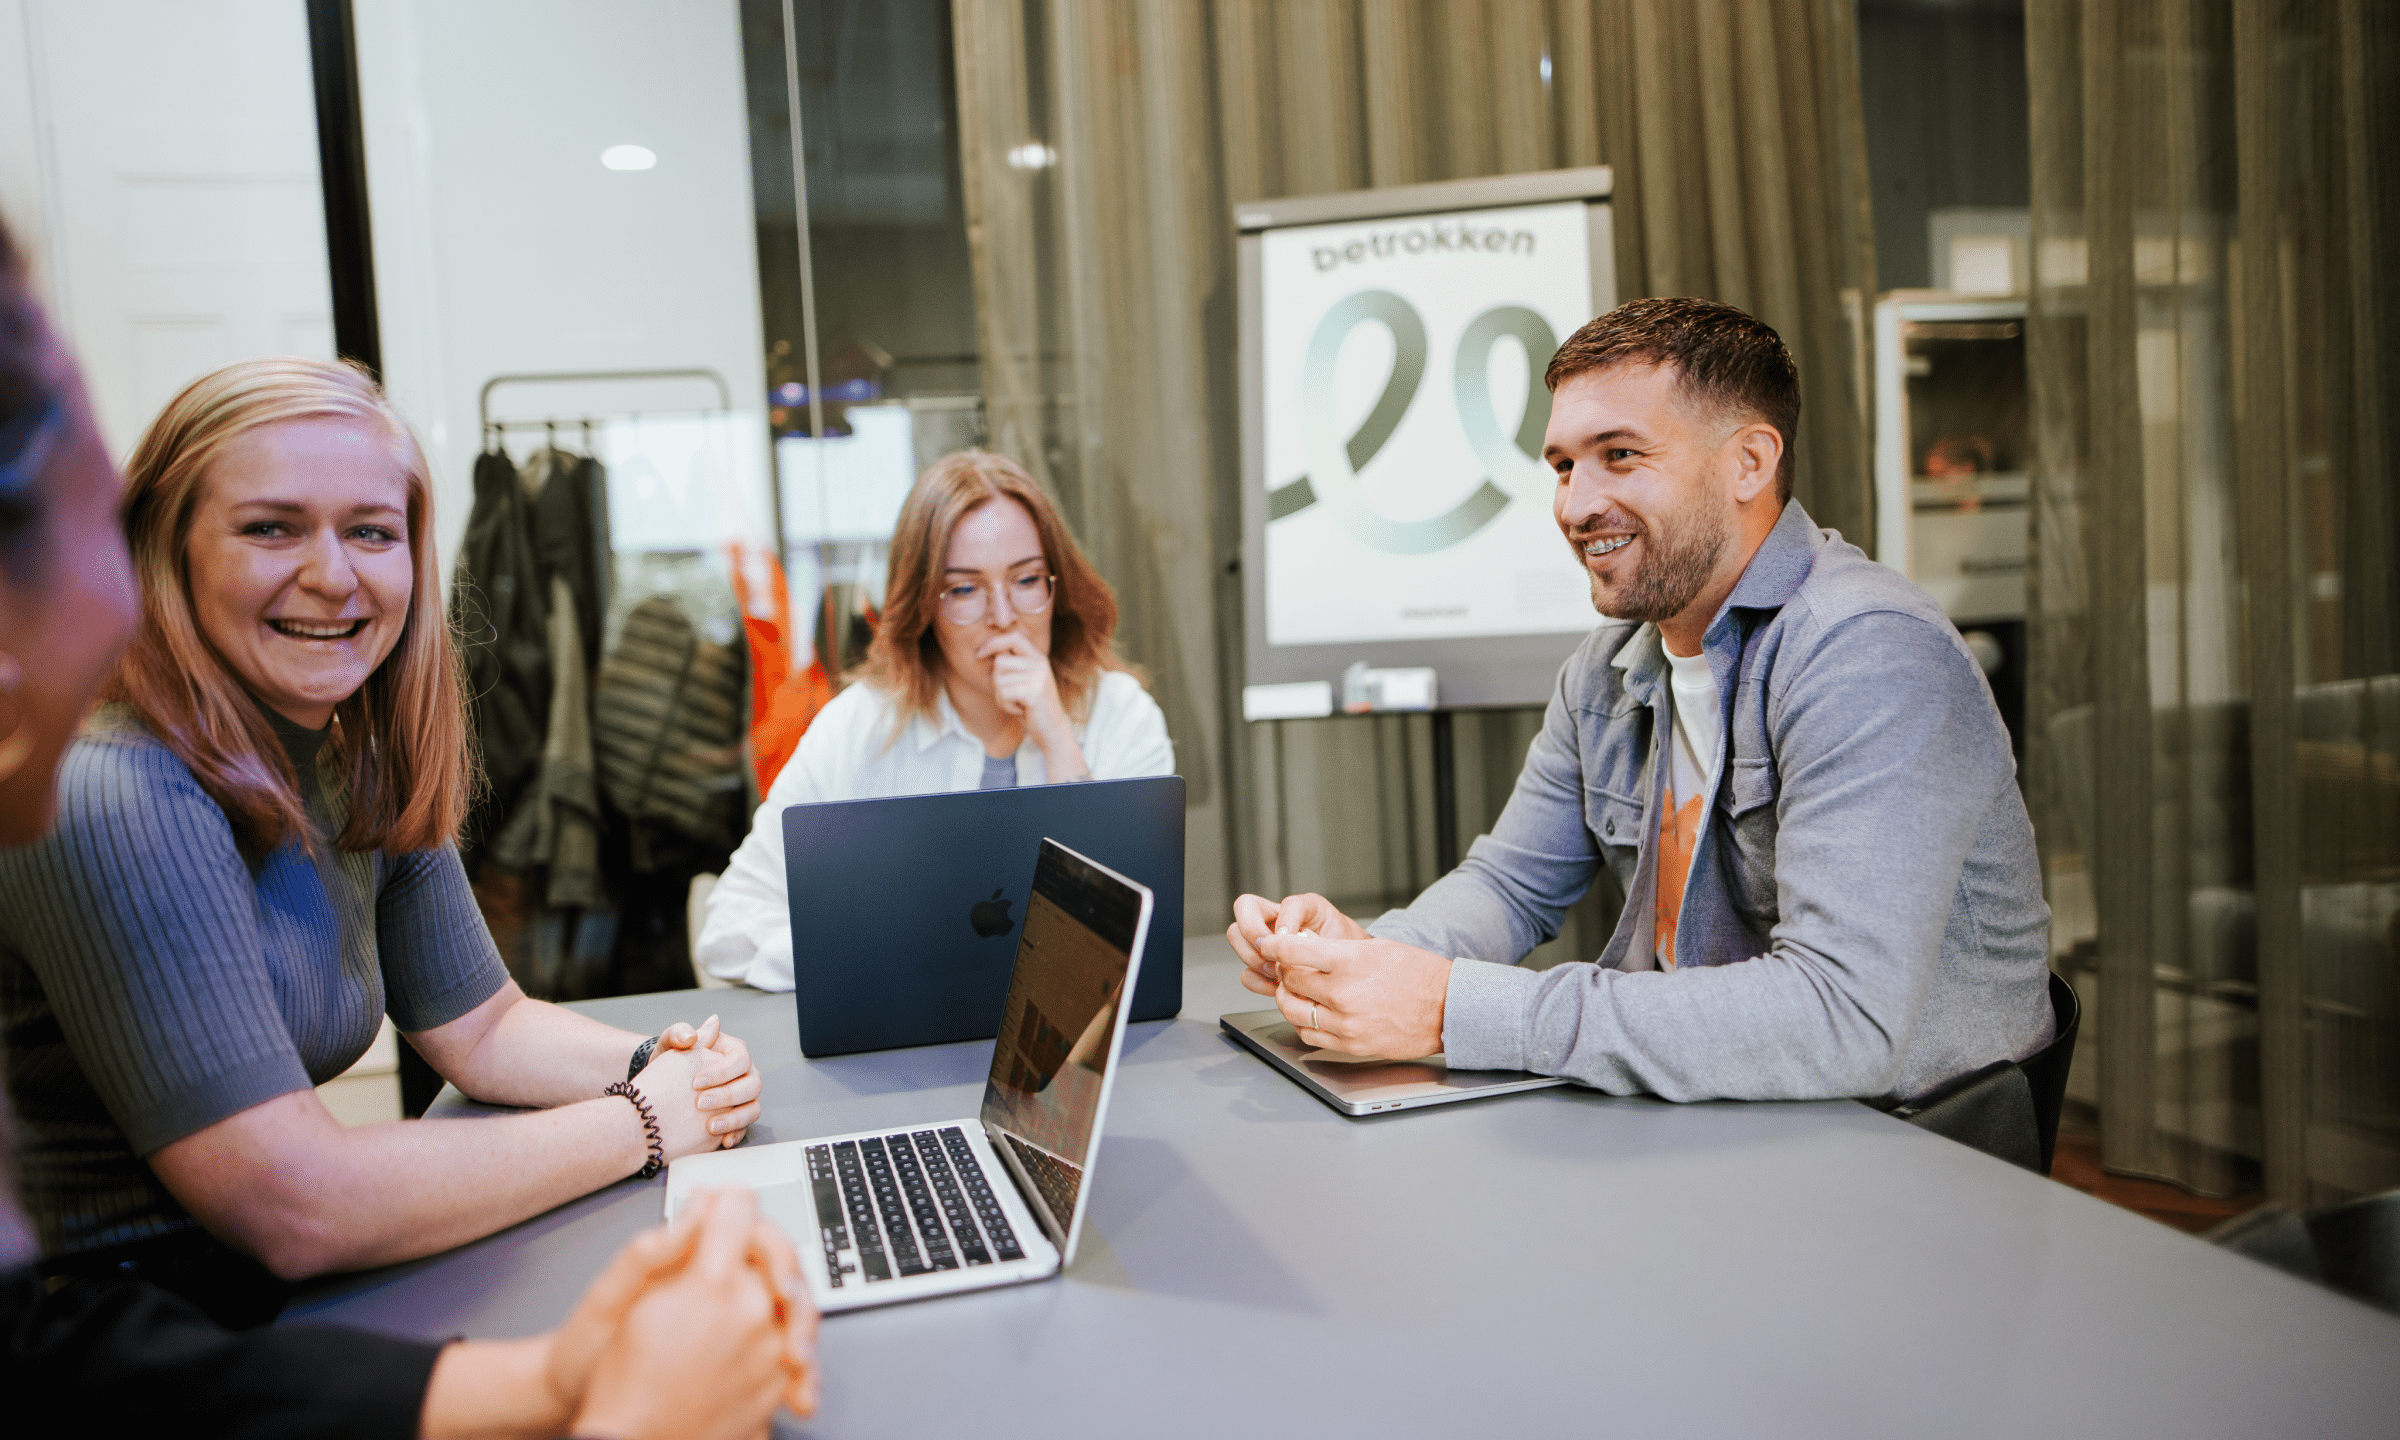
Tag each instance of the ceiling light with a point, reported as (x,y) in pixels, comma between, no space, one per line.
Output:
(1034,156)
(629,157)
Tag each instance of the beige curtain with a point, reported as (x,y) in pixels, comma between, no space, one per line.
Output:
(1106,142)
(2215,704)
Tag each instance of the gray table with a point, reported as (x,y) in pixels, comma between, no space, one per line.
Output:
(1554,1263)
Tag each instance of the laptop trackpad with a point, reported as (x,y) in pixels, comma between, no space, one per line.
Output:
(792,1206)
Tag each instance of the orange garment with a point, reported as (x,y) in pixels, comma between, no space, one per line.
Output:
(1678,832)
(783,701)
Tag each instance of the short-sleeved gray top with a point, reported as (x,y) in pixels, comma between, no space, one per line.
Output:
(153,981)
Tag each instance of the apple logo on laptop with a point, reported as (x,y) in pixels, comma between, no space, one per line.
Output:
(991,917)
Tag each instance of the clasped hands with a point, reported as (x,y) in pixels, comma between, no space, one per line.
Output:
(716,1070)
(1342,989)
(697,1331)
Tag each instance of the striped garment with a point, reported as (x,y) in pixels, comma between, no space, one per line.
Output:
(667,725)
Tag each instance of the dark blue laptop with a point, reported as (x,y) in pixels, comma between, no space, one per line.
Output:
(905,909)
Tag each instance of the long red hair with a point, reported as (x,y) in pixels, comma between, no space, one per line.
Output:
(905,661)
(400,743)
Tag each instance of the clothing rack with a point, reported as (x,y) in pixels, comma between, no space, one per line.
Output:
(552,936)
(492,430)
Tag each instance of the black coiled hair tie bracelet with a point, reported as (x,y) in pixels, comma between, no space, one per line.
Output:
(641,1107)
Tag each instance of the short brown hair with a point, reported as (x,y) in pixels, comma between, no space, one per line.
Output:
(1728,359)
(905,662)
(400,742)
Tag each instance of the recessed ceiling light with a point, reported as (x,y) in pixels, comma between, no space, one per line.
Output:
(629,157)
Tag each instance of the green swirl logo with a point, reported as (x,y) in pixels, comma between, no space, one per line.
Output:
(1334,462)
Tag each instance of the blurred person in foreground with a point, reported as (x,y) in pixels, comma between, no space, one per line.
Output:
(1781,748)
(994,666)
(699,1330)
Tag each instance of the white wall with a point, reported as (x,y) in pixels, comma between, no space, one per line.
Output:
(160,160)
(20,146)
(503,245)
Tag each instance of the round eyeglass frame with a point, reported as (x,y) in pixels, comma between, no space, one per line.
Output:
(978,611)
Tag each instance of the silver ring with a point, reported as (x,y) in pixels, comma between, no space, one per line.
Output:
(1312,1017)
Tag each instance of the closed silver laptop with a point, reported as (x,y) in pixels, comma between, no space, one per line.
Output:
(1370,1087)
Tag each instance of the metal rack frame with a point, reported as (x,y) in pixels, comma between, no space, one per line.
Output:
(487,426)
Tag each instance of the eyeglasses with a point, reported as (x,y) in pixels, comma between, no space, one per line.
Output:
(969,601)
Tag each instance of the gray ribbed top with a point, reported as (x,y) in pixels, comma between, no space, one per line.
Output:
(999,773)
(153,982)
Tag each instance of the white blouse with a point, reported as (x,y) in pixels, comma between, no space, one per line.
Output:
(747,935)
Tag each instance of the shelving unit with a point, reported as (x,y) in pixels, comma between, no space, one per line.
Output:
(1953,456)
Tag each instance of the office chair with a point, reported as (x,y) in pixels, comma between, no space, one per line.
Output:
(695,911)
(2009,1109)
(2046,1069)
(2353,1247)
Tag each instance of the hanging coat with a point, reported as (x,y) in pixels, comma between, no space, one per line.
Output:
(556,826)
(667,725)
(570,536)
(783,700)
(499,608)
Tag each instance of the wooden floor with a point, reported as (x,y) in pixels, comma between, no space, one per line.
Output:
(2076,1162)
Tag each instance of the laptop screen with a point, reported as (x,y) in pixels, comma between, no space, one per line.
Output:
(1059,1025)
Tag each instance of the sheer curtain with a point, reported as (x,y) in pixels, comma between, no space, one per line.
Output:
(2215,709)
(1105,144)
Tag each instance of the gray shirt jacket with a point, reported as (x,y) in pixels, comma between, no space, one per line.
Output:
(1864,913)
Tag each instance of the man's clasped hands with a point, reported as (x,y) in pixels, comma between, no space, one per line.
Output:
(1342,989)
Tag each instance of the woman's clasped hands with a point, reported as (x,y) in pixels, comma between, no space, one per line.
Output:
(715,1069)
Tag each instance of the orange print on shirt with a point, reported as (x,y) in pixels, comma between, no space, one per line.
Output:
(1678,832)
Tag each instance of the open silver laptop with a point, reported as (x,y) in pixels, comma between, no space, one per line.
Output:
(964,1204)
(1369,1087)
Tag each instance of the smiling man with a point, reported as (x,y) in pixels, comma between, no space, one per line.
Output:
(1781,748)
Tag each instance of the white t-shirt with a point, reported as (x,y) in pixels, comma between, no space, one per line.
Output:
(747,935)
(1691,781)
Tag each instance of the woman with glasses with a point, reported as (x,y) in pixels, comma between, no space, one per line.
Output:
(993,667)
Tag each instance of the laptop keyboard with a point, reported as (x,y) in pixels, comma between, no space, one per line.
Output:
(906,1204)
(1055,1180)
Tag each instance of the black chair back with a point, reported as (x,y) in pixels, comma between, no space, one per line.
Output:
(2358,1247)
(2353,1247)
(2008,1110)
(2046,1068)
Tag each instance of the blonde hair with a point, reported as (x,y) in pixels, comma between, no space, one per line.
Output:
(400,743)
(905,660)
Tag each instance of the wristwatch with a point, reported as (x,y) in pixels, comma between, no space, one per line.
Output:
(641,1057)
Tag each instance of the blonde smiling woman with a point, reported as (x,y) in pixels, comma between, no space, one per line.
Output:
(699,1333)
(254,864)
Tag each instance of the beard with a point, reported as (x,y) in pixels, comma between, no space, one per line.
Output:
(1680,554)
